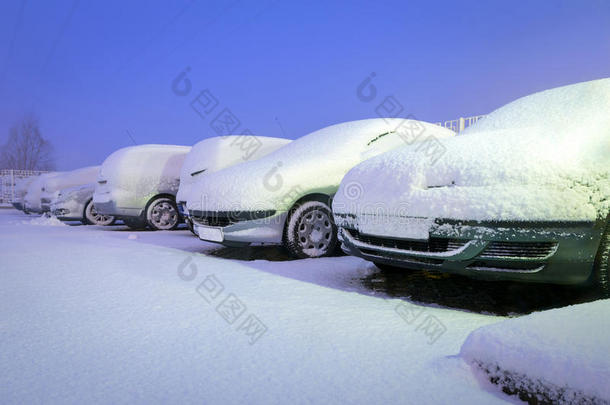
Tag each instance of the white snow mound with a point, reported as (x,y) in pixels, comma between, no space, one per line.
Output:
(542,157)
(566,348)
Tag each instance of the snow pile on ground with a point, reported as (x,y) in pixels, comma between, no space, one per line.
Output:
(313,163)
(142,171)
(43,220)
(543,157)
(213,154)
(561,354)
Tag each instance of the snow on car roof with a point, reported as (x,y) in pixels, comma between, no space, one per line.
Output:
(72,178)
(213,154)
(313,163)
(132,165)
(542,157)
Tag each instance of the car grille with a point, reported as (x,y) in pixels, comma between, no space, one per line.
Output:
(436,245)
(514,267)
(45,201)
(215,221)
(226,218)
(514,250)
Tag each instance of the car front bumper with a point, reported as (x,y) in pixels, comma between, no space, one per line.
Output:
(557,252)
(261,227)
(18,206)
(68,210)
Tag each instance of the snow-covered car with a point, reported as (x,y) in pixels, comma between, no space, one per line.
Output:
(32,196)
(138,184)
(21,188)
(76,204)
(523,194)
(213,154)
(284,197)
(73,178)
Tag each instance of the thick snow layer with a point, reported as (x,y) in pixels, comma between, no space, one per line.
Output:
(564,348)
(72,178)
(77,192)
(213,154)
(93,315)
(543,157)
(314,163)
(78,177)
(140,172)
(32,197)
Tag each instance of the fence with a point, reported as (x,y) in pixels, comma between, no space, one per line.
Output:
(8,179)
(460,124)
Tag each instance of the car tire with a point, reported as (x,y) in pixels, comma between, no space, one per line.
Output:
(310,231)
(92,217)
(601,269)
(136,224)
(162,214)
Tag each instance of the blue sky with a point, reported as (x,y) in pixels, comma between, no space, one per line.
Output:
(99,74)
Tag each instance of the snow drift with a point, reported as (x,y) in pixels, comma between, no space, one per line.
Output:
(542,157)
(561,354)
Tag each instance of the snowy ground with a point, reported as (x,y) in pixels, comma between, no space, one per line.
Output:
(90,314)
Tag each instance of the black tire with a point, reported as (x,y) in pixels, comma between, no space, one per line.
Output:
(162,214)
(310,231)
(92,217)
(601,270)
(135,223)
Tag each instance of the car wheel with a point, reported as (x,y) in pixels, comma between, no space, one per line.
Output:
(92,217)
(162,214)
(310,231)
(137,223)
(602,263)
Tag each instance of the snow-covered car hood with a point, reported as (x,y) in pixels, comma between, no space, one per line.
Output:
(314,163)
(143,170)
(213,154)
(85,175)
(542,157)
(80,193)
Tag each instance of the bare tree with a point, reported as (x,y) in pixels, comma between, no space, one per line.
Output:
(25,148)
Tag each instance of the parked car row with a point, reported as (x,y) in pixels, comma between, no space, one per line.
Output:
(522,194)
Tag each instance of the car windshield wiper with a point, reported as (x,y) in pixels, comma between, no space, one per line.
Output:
(198,172)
